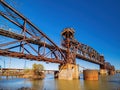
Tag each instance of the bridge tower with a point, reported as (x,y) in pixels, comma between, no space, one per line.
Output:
(67,43)
(69,70)
(106,68)
(103,70)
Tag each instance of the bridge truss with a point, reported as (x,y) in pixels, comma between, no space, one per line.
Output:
(31,43)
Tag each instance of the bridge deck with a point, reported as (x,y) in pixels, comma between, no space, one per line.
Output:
(32,57)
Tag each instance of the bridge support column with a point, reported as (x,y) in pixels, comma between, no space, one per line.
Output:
(90,74)
(103,72)
(68,72)
(111,72)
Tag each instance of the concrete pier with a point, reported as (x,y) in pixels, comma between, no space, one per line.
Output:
(111,72)
(56,74)
(68,72)
(103,72)
(90,74)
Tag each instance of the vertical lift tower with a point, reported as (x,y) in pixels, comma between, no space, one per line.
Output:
(69,70)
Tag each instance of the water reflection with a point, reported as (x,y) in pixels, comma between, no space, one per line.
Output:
(37,85)
(49,83)
(68,85)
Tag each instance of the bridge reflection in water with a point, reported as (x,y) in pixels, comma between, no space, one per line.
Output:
(49,83)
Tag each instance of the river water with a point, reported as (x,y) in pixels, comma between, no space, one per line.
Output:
(49,83)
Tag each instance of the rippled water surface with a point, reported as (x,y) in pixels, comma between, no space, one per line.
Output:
(49,83)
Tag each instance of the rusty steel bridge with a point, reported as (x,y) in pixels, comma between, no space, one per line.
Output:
(32,44)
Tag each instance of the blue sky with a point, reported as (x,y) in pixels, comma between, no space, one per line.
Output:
(96,23)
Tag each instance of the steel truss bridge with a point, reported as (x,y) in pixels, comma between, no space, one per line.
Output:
(29,42)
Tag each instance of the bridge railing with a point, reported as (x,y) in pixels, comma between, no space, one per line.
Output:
(9,29)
